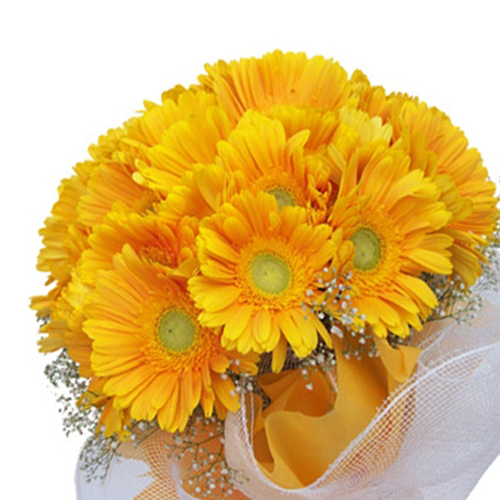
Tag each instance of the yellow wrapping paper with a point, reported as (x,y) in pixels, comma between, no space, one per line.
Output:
(305,429)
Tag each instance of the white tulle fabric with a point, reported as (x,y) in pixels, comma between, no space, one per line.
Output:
(433,439)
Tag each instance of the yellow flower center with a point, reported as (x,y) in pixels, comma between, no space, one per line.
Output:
(176,331)
(270,274)
(367,249)
(283,197)
(163,256)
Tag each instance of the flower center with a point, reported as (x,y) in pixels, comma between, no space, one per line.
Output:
(270,274)
(163,256)
(176,331)
(283,197)
(367,249)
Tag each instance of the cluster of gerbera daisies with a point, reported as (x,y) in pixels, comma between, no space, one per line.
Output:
(247,221)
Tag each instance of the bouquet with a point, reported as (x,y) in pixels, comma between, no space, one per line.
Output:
(277,283)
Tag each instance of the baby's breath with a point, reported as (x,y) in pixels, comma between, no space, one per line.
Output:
(455,299)
(98,451)
(96,456)
(63,375)
(201,445)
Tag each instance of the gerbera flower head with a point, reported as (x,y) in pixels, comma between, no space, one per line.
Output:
(392,217)
(258,268)
(257,156)
(260,157)
(64,236)
(111,181)
(168,246)
(460,171)
(442,151)
(137,164)
(184,144)
(157,359)
(277,78)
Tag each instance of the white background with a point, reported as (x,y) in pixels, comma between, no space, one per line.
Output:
(71,70)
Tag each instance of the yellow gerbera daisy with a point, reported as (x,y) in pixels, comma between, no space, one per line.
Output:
(167,245)
(157,359)
(442,150)
(391,215)
(186,143)
(474,218)
(64,237)
(258,267)
(123,152)
(110,182)
(277,78)
(257,156)
(170,248)
(261,158)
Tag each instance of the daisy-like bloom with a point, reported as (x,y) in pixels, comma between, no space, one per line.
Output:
(459,170)
(261,158)
(64,236)
(157,359)
(442,150)
(187,142)
(257,156)
(391,216)
(277,78)
(259,265)
(111,181)
(124,153)
(169,246)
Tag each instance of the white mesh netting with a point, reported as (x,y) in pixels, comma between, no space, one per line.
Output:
(432,439)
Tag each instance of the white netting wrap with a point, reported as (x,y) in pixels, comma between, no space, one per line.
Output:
(433,439)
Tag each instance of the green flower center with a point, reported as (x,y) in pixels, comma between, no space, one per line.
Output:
(270,274)
(283,198)
(176,331)
(367,249)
